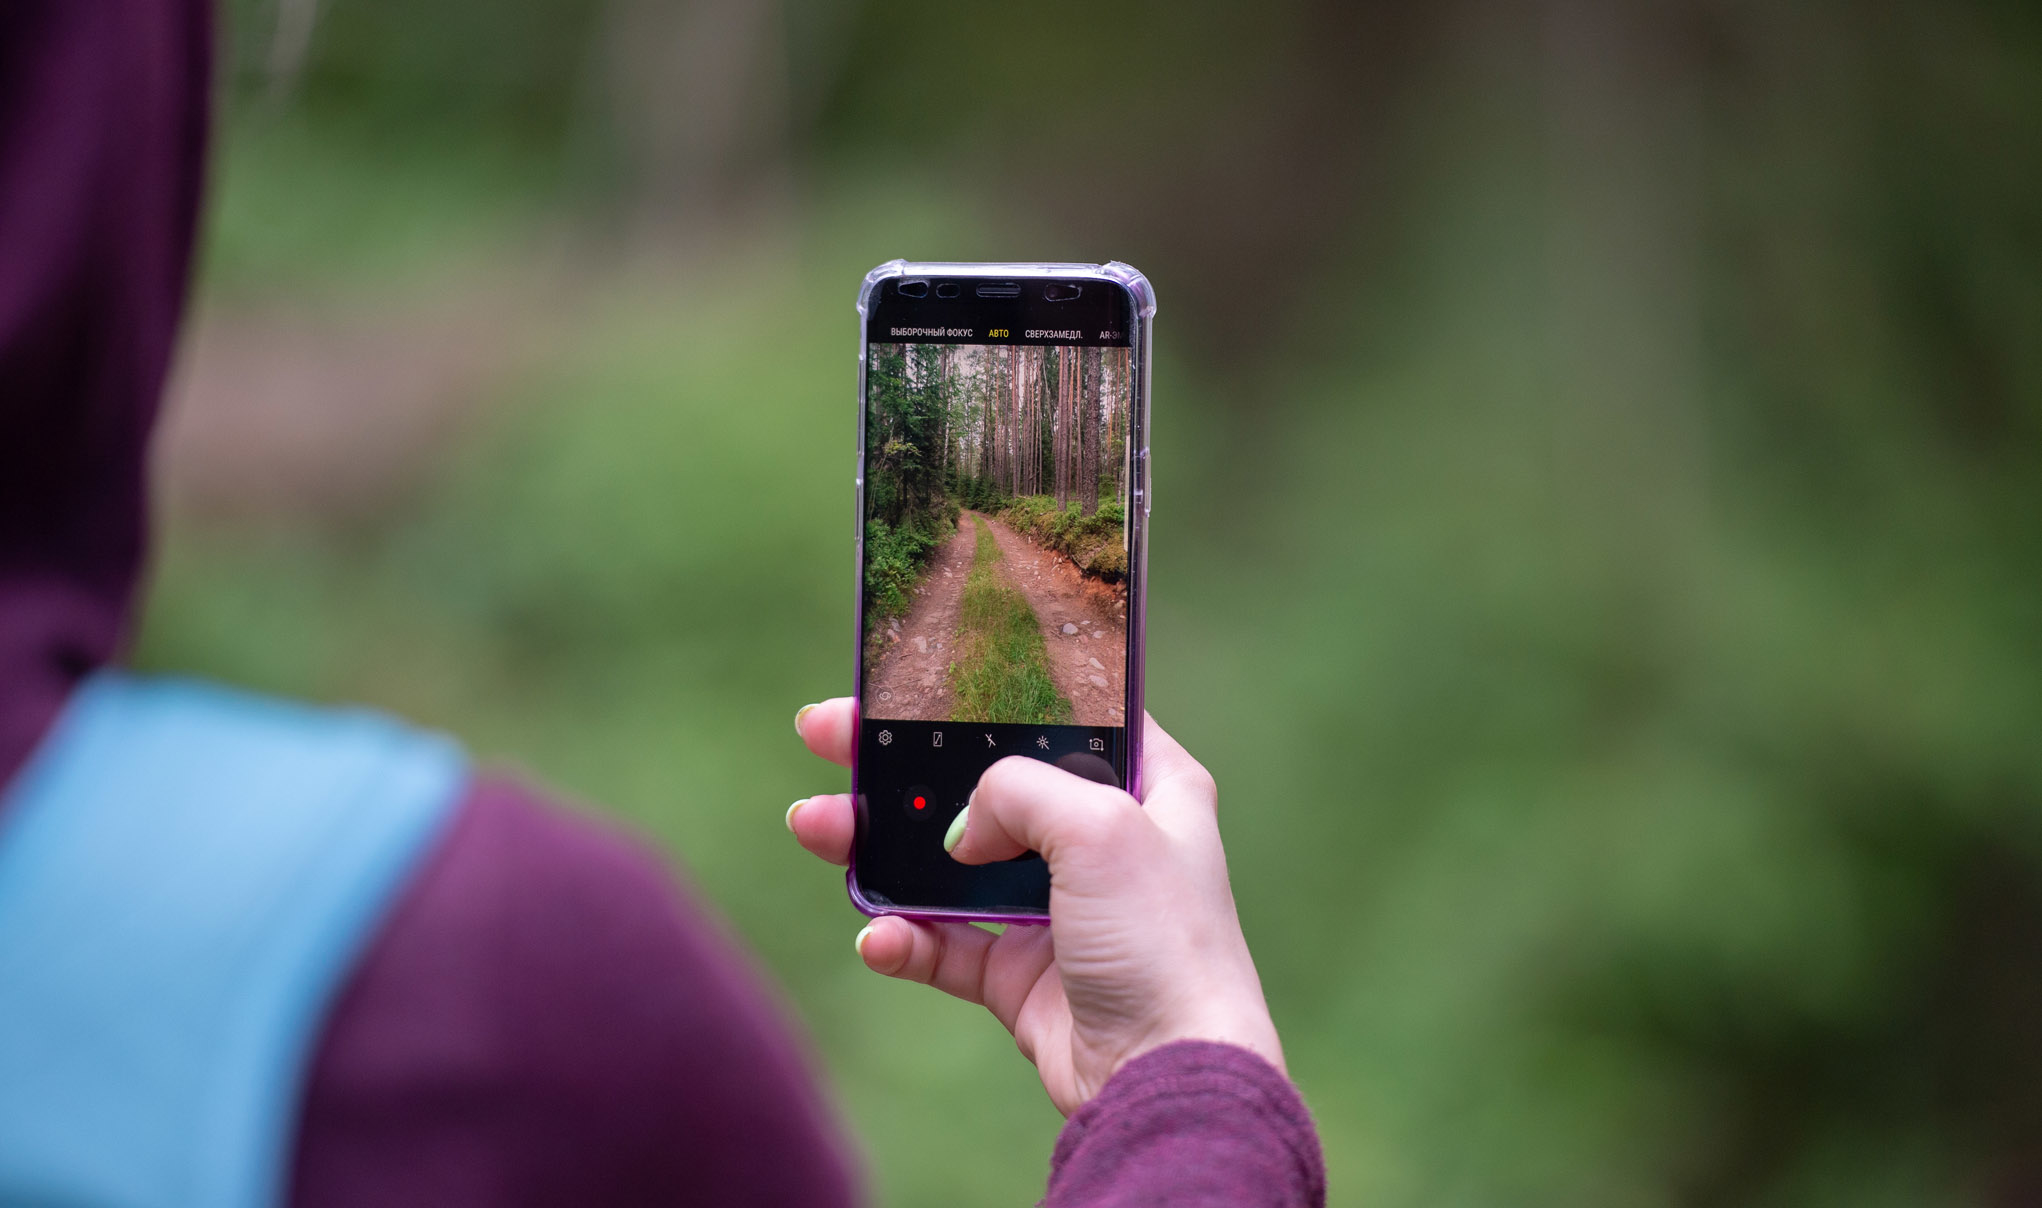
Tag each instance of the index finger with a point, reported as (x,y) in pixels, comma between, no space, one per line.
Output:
(826,728)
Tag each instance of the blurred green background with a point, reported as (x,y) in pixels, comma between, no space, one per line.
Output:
(1598,544)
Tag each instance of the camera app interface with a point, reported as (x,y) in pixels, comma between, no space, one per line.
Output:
(996,562)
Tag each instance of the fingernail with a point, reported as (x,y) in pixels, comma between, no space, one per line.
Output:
(798,715)
(790,812)
(859,943)
(956,831)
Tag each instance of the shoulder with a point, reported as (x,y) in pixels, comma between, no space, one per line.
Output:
(545,1008)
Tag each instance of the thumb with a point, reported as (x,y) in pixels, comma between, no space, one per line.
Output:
(1024,805)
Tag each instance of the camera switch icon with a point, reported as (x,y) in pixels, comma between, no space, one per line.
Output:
(1098,744)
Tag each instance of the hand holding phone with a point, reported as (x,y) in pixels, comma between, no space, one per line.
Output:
(1147,946)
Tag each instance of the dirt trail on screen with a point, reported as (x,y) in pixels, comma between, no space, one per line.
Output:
(912,679)
(1084,625)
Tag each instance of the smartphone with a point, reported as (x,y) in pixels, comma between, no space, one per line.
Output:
(1003,500)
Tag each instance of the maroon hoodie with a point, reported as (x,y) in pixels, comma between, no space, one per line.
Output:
(545,1018)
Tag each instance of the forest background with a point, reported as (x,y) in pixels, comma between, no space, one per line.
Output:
(1598,451)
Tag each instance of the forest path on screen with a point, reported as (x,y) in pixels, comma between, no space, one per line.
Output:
(912,679)
(1080,626)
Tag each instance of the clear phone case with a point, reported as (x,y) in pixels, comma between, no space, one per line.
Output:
(1139,501)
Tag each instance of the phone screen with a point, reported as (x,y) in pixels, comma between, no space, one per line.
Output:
(999,564)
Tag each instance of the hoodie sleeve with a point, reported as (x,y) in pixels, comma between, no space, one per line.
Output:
(1189,1125)
(548,1019)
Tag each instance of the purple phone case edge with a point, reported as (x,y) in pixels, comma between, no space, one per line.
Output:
(1138,285)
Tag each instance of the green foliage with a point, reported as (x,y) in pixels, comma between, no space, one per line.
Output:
(908,510)
(907,402)
(1096,543)
(1002,669)
(467,67)
(1108,562)
(981,495)
(894,561)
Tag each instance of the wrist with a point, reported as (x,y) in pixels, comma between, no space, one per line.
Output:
(1249,1029)
(1244,1025)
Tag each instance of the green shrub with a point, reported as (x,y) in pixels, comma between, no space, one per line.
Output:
(981,495)
(1109,562)
(894,558)
(1092,542)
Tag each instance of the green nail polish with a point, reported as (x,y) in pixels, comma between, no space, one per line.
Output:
(956,831)
(798,715)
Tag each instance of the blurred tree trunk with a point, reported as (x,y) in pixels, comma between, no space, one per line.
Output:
(700,93)
(1621,87)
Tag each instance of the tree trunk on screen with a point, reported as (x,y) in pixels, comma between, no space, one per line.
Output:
(1045,419)
(1024,483)
(1031,428)
(1017,386)
(1088,432)
(1117,401)
(989,432)
(1066,424)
